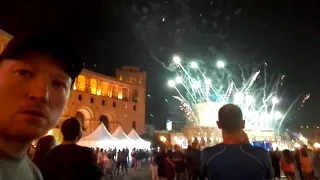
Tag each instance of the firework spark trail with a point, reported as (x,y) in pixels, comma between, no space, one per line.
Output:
(289,109)
(254,78)
(242,74)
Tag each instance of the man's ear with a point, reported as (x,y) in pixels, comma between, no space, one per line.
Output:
(218,124)
(243,124)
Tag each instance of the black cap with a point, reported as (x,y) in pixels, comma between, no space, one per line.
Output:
(51,44)
(230,117)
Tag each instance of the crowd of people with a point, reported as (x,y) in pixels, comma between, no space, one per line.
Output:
(234,158)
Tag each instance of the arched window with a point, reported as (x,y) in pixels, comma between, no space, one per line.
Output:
(80,116)
(133,125)
(104,119)
(81,83)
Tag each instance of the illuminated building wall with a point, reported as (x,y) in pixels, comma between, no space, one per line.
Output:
(4,39)
(98,98)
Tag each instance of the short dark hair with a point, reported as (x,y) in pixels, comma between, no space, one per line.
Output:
(71,129)
(230,118)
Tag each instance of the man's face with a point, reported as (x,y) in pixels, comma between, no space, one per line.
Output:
(33,93)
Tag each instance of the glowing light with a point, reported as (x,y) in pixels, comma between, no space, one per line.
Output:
(301,138)
(207,81)
(176,59)
(179,80)
(163,139)
(238,97)
(214,88)
(74,87)
(296,145)
(171,83)
(50,132)
(277,115)
(98,92)
(194,65)
(220,64)
(316,145)
(249,100)
(275,100)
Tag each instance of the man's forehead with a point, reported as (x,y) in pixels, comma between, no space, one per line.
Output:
(43,64)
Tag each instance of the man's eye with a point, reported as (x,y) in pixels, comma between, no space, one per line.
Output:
(24,72)
(59,84)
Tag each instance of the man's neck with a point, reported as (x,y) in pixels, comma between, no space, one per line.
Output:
(15,149)
(234,138)
(69,142)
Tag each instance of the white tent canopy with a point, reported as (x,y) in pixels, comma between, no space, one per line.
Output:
(122,139)
(98,138)
(139,141)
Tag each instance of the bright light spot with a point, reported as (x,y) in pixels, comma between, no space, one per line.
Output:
(275,100)
(238,97)
(302,138)
(50,132)
(316,145)
(277,115)
(163,139)
(220,64)
(207,81)
(171,83)
(74,87)
(179,80)
(99,93)
(194,65)
(176,59)
(296,145)
(274,145)
(249,99)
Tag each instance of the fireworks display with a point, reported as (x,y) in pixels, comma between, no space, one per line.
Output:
(257,98)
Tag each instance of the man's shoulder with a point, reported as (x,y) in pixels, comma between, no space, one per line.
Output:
(35,171)
(213,149)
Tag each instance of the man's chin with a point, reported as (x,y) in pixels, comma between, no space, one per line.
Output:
(25,136)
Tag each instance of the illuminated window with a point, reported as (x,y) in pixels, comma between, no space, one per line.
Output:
(104,88)
(120,77)
(125,94)
(114,104)
(81,83)
(135,96)
(120,95)
(110,90)
(93,86)
(134,107)
(114,92)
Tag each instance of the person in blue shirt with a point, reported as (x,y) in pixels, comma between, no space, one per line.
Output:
(234,158)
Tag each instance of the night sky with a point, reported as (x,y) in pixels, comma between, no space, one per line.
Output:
(284,34)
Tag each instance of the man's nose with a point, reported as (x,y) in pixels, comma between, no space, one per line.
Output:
(39,90)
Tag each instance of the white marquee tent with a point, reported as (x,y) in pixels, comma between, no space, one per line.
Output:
(138,140)
(123,141)
(98,138)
